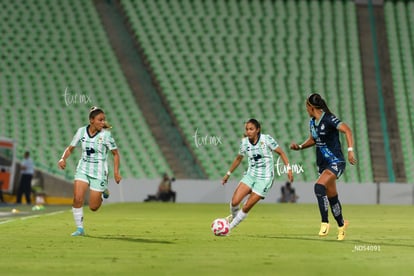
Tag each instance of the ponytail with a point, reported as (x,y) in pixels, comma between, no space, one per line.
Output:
(318,102)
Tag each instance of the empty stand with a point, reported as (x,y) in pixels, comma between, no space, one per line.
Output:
(400,31)
(220,63)
(56,64)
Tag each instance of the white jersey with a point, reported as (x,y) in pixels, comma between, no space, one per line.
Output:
(93,161)
(260,156)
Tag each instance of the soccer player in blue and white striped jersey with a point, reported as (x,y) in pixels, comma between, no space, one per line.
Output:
(92,169)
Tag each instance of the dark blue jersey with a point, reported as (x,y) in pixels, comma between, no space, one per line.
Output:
(326,135)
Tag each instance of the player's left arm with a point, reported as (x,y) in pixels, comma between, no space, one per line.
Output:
(344,128)
(117,160)
(285,160)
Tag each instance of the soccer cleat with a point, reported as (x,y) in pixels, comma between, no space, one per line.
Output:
(78,232)
(324,229)
(105,193)
(229,218)
(341,231)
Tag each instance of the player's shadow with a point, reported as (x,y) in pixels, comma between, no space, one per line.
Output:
(128,239)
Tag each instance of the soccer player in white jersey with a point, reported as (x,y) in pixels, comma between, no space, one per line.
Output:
(258,179)
(92,169)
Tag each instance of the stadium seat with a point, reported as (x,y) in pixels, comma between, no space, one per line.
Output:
(400,33)
(64,54)
(259,59)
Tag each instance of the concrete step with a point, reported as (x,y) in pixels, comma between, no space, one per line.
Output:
(377,141)
(179,157)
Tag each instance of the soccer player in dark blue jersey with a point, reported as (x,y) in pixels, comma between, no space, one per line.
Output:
(324,134)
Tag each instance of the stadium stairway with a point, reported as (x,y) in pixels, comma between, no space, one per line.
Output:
(377,139)
(181,160)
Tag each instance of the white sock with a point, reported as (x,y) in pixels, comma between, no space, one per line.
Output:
(234,210)
(78,216)
(238,218)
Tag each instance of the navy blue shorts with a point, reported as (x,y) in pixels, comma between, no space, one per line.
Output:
(337,168)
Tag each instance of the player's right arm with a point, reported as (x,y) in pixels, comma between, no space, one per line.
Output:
(75,142)
(233,166)
(62,161)
(308,143)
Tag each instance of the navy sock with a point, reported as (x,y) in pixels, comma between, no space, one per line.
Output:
(336,209)
(320,192)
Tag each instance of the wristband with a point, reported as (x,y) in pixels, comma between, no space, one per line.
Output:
(228,173)
(300,146)
(350,149)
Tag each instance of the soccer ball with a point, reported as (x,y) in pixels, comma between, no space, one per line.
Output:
(220,227)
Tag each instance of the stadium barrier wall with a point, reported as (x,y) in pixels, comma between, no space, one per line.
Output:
(208,191)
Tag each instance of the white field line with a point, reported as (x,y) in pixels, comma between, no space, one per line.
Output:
(30,217)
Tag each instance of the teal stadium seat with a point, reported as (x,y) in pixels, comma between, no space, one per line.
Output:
(52,46)
(400,31)
(220,63)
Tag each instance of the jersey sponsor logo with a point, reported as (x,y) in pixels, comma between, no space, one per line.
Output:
(89,158)
(256,157)
(89,151)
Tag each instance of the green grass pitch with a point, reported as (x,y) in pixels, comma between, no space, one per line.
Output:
(175,239)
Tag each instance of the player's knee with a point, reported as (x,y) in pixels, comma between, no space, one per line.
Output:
(319,189)
(93,208)
(77,201)
(246,209)
(234,203)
